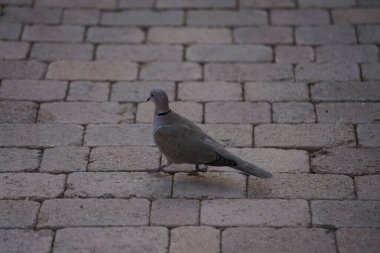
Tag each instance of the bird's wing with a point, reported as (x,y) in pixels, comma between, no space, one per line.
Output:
(183,144)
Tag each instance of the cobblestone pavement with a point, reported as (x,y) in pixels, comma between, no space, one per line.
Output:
(291,85)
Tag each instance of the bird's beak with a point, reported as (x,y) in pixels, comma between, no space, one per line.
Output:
(148,99)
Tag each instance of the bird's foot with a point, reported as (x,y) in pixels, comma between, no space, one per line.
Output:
(202,168)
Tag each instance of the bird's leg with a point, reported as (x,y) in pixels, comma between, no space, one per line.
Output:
(159,169)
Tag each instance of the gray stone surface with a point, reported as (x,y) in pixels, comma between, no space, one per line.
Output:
(25,241)
(171,71)
(17,159)
(17,112)
(369,135)
(114,35)
(209,91)
(118,184)
(194,239)
(88,91)
(55,51)
(276,91)
(64,159)
(21,69)
(348,112)
(292,112)
(57,213)
(351,240)
(174,212)
(368,187)
(142,18)
(327,71)
(18,213)
(114,240)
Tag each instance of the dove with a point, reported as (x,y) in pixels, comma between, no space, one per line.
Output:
(183,142)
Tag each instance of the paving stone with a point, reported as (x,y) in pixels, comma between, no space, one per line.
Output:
(10,31)
(343,160)
(118,184)
(369,135)
(273,160)
(57,213)
(175,212)
(346,213)
(140,53)
(291,240)
(162,4)
(17,159)
(53,33)
(293,112)
(343,91)
(88,91)
(369,33)
(299,17)
(195,239)
(136,4)
(12,50)
(294,54)
(85,112)
(114,35)
(210,185)
(40,135)
(17,112)
(255,212)
(192,111)
(263,35)
(327,71)
(226,18)
(348,112)
(113,240)
(31,185)
(139,91)
(64,159)
(142,18)
(189,35)
(267,3)
(24,241)
(324,35)
(239,135)
(31,15)
(238,112)
(209,91)
(118,135)
(368,3)
(276,91)
(371,71)
(81,17)
(359,53)
(16,2)
(91,4)
(171,71)
(18,214)
(356,16)
(368,187)
(351,240)
(327,3)
(124,158)
(94,70)
(307,136)
(21,69)
(229,53)
(36,90)
(302,186)
(52,52)
(247,72)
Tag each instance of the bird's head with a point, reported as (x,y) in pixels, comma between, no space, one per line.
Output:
(159,98)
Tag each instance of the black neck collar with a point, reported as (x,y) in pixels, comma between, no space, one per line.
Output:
(164,113)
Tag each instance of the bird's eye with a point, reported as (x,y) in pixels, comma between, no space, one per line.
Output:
(152,95)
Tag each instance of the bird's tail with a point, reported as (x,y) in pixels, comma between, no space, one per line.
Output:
(252,169)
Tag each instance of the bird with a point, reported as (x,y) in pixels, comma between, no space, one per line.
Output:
(183,142)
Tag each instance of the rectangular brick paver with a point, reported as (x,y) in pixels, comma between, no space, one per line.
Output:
(309,136)
(40,135)
(264,35)
(88,91)
(96,4)
(18,213)
(293,112)
(369,135)
(294,54)
(171,71)
(276,91)
(124,158)
(349,213)
(9,30)
(64,159)
(210,185)
(195,4)
(347,239)
(53,33)
(118,184)
(356,16)
(255,212)
(12,50)
(343,160)
(299,17)
(93,212)
(323,35)
(28,185)
(267,3)
(32,15)
(368,187)
(81,17)
(114,35)
(327,71)
(92,70)
(227,18)
(121,239)
(142,18)
(327,3)
(175,212)
(360,53)
(55,51)
(22,69)
(24,241)
(370,71)
(209,91)
(230,135)
(289,240)
(369,33)
(17,112)
(19,160)
(303,186)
